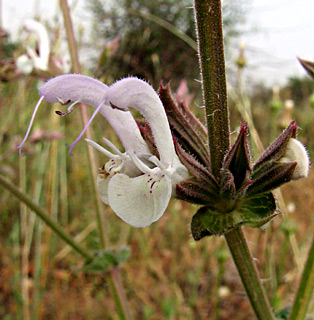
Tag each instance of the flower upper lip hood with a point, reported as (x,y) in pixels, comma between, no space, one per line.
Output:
(84,89)
(136,184)
(135,93)
(74,87)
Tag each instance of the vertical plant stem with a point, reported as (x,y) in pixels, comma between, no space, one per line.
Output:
(23,245)
(38,192)
(47,248)
(64,206)
(117,288)
(306,289)
(23,223)
(119,294)
(249,274)
(70,35)
(221,270)
(272,275)
(100,214)
(212,65)
(283,258)
(37,294)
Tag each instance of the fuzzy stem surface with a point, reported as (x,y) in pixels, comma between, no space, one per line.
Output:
(212,65)
(248,272)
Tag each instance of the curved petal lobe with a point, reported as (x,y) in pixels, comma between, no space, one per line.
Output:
(139,201)
(102,187)
(74,87)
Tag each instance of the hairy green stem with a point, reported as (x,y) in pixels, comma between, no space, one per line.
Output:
(243,259)
(306,289)
(43,215)
(212,65)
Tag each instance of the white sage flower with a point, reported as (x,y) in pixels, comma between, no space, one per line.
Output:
(136,184)
(34,60)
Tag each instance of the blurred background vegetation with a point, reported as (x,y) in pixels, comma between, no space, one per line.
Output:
(168,276)
(145,41)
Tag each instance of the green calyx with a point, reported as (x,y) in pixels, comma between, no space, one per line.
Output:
(242,196)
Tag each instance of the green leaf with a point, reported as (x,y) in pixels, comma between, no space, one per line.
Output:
(260,204)
(107,259)
(253,212)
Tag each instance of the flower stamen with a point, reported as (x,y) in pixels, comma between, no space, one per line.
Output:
(102,149)
(29,126)
(112,147)
(72,145)
(139,163)
(69,110)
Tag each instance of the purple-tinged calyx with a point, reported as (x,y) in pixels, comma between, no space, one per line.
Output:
(185,127)
(276,150)
(242,196)
(238,159)
(284,160)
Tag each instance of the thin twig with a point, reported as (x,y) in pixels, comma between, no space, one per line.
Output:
(43,215)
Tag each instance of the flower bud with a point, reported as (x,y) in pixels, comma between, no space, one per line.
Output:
(296,152)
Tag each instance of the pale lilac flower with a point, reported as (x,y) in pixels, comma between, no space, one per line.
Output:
(136,184)
(40,61)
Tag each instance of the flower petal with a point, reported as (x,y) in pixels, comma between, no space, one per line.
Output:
(139,201)
(87,90)
(24,64)
(138,94)
(74,87)
(102,187)
(41,61)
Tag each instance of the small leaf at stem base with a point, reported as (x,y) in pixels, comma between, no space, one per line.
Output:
(254,212)
(106,259)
